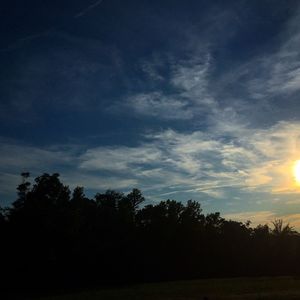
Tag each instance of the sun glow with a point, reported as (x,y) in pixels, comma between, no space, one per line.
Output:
(297,171)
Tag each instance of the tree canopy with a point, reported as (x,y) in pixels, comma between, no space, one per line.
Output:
(53,236)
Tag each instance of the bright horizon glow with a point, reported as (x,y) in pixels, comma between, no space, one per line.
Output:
(297,171)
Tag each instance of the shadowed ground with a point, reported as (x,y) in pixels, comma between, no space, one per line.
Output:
(284,288)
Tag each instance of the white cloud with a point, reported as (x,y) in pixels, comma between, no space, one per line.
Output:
(198,162)
(192,77)
(158,105)
(189,97)
(227,153)
(258,159)
(151,68)
(277,73)
(118,158)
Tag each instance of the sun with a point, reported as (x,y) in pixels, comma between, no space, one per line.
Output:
(297,171)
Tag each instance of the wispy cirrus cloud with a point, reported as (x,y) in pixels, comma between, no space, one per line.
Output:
(272,77)
(118,158)
(158,105)
(20,42)
(192,78)
(213,105)
(188,96)
(244,91)
(171,162)
(88,9)
(257,159)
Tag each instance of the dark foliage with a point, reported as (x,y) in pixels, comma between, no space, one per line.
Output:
(53,238)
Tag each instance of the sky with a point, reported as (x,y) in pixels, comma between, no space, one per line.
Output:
(181,99)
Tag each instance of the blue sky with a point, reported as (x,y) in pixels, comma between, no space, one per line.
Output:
(182,99)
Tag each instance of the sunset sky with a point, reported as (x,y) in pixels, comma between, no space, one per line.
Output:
(181,99)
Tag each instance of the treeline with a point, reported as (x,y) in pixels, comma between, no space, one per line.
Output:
(53,237)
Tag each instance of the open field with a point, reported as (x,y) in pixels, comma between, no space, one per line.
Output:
(284,288)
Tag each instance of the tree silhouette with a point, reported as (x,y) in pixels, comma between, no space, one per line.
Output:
(52,237)
(23,189)
(281,230)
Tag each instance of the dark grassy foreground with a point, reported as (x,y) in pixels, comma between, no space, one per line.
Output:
(284,288)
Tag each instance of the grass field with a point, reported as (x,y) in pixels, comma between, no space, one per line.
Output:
(284,288)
